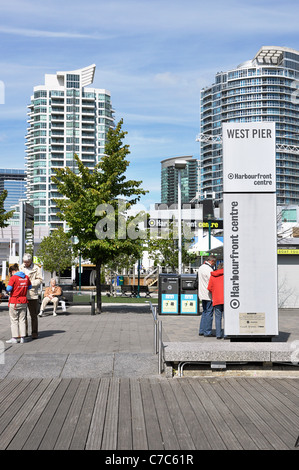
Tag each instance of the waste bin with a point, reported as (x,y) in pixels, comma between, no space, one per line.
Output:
(189,294)
(168,299)
(120,280)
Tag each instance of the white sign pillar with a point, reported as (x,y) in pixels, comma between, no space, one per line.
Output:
(250,245)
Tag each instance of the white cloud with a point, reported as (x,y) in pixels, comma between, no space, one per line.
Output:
(37,33)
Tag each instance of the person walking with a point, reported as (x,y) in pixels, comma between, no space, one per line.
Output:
(33,271)
(204,272)
(216,287)
(17,287)
(51,295)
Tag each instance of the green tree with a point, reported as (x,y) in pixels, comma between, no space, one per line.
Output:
(55,252)
(95,203)
(4,216)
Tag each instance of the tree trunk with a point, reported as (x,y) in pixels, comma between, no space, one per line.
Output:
(98,286)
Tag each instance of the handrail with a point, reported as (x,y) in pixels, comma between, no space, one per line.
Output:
(158,344)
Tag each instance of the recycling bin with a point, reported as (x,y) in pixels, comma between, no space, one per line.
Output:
(189,294)
(168,298)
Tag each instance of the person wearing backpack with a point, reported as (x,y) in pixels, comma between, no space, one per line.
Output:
(17,287)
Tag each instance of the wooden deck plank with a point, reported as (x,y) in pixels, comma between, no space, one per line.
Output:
(287,393)
(46,417)
(179,424)
(243,413)
(284,421)
(109,441)
(260,415)
(12,410)
(291,384)
(239,421)
(213,438)
(54,428)
(25,407)
(29,423)
(138,420)
(94,438)
(65,436)
(5,383)
(237,432)
(124,435)
(195,429)
(83,424)
(212,410)
(169,437)
(140,413)
(10,394)
(153,432)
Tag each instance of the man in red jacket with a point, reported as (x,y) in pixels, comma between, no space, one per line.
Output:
(17,287)
(216,287)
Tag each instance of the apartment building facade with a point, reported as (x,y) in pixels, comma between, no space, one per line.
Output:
(265,88)
(65,117)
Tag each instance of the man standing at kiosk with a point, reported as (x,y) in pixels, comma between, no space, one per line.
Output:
(205,296)
(33,271)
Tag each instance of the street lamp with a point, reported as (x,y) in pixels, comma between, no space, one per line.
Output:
(180,165)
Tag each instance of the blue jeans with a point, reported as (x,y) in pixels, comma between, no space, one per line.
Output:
(218,319)
(206,318)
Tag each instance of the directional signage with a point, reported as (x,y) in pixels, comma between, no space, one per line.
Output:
(250,245)
(248,163)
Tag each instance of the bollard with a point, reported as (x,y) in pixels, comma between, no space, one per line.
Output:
(93,304)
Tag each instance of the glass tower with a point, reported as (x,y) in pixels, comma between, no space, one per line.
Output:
(169,181)
(12,180)
(265,88)
(65,118)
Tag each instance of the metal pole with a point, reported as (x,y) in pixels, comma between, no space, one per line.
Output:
(80,273)
(180,221)
(22,232)
(138,286)
(160,346)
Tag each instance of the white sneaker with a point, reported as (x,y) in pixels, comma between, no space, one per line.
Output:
(22,340)
(54,314)
(41,313)
(12,341)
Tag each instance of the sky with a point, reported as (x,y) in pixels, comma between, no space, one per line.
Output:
(154,56)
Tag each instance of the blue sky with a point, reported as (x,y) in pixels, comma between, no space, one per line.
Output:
(154,56)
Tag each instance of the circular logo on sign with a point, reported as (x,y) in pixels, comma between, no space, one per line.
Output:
(234,303)
(230,176)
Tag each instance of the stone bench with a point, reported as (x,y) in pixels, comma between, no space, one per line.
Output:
(225,352)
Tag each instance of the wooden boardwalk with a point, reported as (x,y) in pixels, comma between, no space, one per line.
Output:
(149,414)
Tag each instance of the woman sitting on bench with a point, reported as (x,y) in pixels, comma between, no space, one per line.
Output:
(51,295)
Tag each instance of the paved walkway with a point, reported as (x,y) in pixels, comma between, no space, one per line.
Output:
(92,382)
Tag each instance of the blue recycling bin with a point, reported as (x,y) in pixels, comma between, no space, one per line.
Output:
(168,298)
(189,294)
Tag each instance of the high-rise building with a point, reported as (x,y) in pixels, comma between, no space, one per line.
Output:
(265,88)
(169,180)
(65,118)
(12,180)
